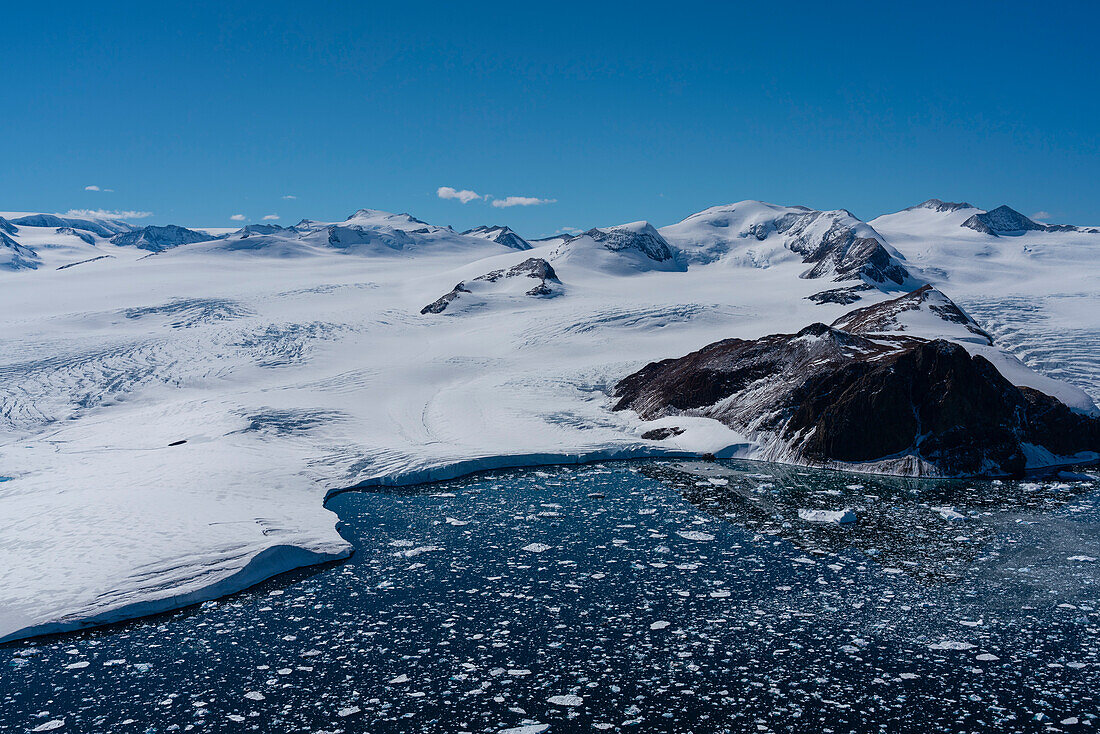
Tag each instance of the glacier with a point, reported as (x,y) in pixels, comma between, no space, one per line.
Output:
(173,417)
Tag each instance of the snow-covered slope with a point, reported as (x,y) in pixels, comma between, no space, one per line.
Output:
(170,424)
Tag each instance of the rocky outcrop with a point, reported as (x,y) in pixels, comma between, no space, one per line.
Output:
(891,404)
(1006,220)
(7,227)
(843,296)
(535,268)
(158,239)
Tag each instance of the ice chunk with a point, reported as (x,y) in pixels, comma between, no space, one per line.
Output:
(694,535)
(839,517)
(950,645)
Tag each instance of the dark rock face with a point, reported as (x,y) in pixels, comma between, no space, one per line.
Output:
(7,227)
(899,405)
(660,434)
(534,267)
(157,239)
(843,296)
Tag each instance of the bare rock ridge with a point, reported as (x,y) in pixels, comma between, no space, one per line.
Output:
(535,268)
(843,296)
(885,403)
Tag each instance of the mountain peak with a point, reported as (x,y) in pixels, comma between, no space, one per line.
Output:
(939,205)
(499,234)
(1002,220)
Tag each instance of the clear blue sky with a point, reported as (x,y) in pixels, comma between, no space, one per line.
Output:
(200,111)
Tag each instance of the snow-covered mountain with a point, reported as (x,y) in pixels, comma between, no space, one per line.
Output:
(170,424)
(619,250)
(500,235)
(835,245)
(157,239)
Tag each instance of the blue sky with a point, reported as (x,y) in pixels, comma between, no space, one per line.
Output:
(200,111)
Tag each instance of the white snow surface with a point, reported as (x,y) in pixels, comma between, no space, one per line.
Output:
(296,363)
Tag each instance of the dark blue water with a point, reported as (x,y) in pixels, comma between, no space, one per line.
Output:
(643,596)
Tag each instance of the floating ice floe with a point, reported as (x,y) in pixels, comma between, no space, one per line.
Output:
(951,645)
(50,725)
(526,729)
(418,550)
(1081,559)
(948,513)
(536,548)
(694,535)
(659,625)
(565,700)
(838,517)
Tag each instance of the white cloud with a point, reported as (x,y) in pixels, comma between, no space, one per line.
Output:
(238,217)
(106,214)
(521,201)
(1041,215)
(465,196)
(271,216)
(93,187)
(290,196)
